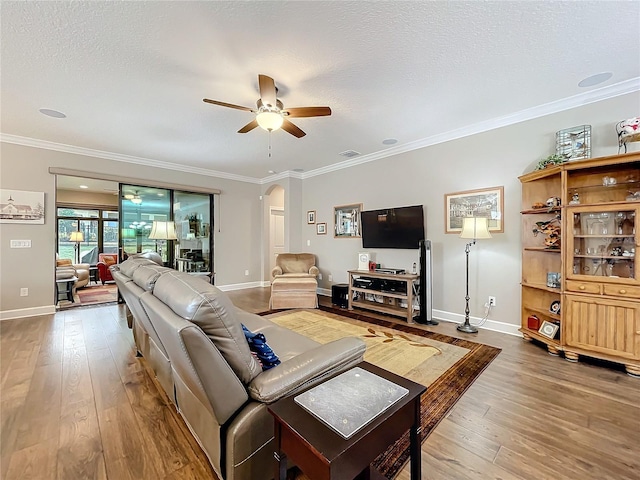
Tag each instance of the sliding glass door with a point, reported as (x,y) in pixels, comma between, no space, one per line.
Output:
(139,207)
(192,216)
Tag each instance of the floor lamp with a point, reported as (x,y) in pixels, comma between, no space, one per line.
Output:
(77,237)
(162,231)
(474,228)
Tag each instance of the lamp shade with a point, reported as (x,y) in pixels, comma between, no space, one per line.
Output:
(163,231)
(475,228)
(269,120)
(76,237)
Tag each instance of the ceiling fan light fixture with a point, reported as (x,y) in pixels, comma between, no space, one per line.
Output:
(136,199)
(269,120)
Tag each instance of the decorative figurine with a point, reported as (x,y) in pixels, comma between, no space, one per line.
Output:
(575,199)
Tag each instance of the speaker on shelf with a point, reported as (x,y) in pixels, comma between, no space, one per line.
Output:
(364,258)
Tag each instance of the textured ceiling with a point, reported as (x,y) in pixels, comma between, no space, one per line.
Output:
(131,76)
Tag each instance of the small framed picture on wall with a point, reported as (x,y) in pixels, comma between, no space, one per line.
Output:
(311,217)
(321,229)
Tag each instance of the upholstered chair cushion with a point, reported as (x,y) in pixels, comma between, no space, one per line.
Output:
(295,263)
(193,299)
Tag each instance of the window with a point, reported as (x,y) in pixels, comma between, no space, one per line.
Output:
(99,229)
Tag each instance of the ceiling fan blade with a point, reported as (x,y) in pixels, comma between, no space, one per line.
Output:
(289,127)
(307,112)
(267,90)
(230,105)
(249,126)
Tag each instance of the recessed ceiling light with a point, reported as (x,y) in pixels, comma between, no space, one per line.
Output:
(272,172)
(595,79)
(389,141)
(52,113)
(83,186)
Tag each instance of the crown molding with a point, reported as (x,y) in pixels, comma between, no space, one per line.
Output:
(61,147)
(592,96)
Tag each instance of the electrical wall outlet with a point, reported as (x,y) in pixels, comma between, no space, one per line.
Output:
(319,276)
(308,243)
(246,272)
(24,292)
(492,301)
(330,278)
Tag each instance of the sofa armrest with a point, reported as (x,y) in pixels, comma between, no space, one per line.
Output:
(276,271)
(306,369)
(314,271)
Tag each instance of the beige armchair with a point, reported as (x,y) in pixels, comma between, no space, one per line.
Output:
(81,270)
(294,283)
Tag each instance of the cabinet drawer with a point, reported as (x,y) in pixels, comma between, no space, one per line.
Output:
(622,291)
(584,287)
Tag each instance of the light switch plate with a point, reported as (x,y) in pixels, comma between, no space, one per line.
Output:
(20,243)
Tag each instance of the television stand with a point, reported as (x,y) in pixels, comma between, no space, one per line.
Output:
(391,298)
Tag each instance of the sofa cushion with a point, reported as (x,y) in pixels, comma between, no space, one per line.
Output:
(131,265)
(193,299)
(146,275)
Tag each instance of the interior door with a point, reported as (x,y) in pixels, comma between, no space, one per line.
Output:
(276,235)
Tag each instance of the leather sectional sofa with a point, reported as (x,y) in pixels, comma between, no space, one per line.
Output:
(190,334)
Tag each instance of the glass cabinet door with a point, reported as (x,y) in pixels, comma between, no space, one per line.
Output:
(603,243)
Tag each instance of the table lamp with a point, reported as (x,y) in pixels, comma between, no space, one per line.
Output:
(77,237)
(162,231)
(473,228)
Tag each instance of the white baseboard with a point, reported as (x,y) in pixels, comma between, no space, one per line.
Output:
(27,312)
(494,325)
(243,286)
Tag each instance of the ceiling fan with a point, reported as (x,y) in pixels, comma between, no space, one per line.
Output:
(270,112)
(136,199)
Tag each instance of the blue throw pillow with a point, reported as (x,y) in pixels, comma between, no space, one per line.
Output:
(258,345)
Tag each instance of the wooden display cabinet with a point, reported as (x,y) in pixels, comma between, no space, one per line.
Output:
(599,290)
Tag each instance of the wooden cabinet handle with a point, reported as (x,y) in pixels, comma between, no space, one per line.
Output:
(623,291)
(582,287)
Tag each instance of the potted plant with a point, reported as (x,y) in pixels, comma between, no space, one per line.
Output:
(551,160)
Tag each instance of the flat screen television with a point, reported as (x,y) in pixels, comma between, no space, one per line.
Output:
(401,227)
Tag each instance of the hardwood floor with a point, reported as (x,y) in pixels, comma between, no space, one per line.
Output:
(76,403)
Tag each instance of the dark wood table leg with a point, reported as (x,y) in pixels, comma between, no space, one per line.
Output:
(70,291)
(415,446)
(279,456)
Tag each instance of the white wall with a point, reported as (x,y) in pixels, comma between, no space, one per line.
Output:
(237,232)
(422,176)
(494,158)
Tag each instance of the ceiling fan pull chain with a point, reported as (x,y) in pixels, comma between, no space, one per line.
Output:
(269,143)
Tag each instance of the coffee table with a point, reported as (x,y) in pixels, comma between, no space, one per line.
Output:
(323,454)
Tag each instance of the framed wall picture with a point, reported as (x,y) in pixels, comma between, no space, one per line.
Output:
(311,217)
(486,202)
(321,229)
(20,206)
(347,221)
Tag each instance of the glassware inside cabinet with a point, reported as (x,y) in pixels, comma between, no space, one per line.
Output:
(604,243)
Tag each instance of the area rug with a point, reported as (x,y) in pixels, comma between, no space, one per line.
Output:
(446,365)
(92,295)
